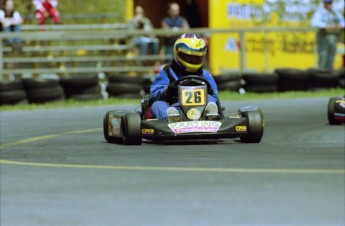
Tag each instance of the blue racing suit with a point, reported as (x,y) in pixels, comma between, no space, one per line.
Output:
(159,86)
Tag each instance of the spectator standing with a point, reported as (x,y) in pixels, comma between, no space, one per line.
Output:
(140,21)
(46,9)
(329,23)
(10,21)
(174,22)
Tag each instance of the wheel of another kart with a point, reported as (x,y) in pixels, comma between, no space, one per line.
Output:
(331,104)
(255,127)
(132,129)
(106,127)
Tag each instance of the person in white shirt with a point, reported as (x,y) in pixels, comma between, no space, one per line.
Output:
(141,22)
(10,21)
(329,23)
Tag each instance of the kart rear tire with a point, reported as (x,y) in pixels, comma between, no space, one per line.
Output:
(106,123)
(255,127)
(331,104)
(132,129)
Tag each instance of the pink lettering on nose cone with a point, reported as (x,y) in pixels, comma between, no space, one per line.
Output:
(195,127)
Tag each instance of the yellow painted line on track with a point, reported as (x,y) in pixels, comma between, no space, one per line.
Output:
(46,137)
(178,169)
(148,168)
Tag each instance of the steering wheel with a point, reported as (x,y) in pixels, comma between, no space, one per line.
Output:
(196,77)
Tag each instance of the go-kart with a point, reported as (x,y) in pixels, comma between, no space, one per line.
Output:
(131,127)
(336,110)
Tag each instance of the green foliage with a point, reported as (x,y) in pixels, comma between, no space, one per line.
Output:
(68,7)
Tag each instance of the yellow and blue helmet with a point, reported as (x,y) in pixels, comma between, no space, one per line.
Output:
(189,52)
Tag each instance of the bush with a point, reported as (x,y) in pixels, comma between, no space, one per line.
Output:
(26,10)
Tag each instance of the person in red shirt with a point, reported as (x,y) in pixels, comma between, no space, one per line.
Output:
(46,9)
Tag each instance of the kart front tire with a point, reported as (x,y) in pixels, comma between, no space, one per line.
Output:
(331,104)
(106,127)
(255,127)
(132,129)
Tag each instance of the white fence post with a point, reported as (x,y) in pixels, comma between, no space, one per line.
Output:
(242,51)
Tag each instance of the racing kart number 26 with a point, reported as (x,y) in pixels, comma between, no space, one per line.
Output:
(122,126)
(193,96)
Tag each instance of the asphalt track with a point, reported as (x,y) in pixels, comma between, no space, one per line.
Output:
(56,169)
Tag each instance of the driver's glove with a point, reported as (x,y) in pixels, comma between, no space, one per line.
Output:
(210,91)
(171,91)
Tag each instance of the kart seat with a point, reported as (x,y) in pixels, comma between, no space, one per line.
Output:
(146,104)
(148,113)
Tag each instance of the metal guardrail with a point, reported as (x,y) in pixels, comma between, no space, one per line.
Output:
(106,32)
(70,48)
(88,30)
(84,59)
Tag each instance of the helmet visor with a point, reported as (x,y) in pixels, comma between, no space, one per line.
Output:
(191,59)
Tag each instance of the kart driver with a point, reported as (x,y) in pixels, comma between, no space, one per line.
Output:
(189,53)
